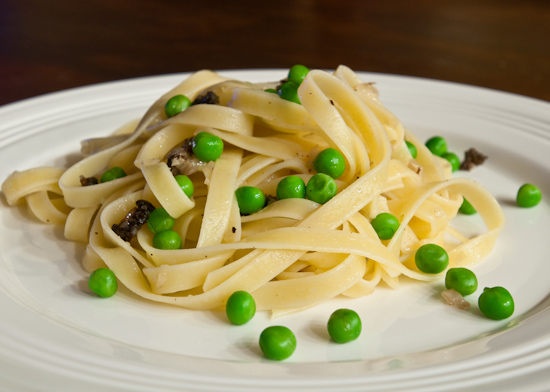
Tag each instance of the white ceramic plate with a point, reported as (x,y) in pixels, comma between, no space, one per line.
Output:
(55,336)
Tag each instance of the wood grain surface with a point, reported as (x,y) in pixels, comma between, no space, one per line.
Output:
(47,46)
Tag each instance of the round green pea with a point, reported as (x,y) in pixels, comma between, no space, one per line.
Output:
(250,199)
(462,280)
(112,174)
(528,195)
(289,91)
(437,145)
(412,149)
(453,159)
(291,187)
(344,325)
(496,303)
(321,188)
(385,225)
(103,282)
(167,240)
(431,259)
(240,307)
(330,161)
(185,184)
(176,104)
(277,342)
(466,208)
(159,220)
(207,147)
(297,73)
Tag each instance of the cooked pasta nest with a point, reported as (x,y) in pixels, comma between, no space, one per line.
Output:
(292,254)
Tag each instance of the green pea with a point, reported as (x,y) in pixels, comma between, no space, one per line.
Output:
(528,195)
(103,282)
(207,147)
(437,145)
(291,187)
(112,174)
(167,240)
(385,225)
(344,325)
(289,92)
(250,199)
(466,208)
(330,161)
(297,73)
(431,259)
(461,280)
(185,184)
(176,104)
(321,188)
(159,220)
(453,159)
(277,342)
(412,149)
(240,307)
(496,303)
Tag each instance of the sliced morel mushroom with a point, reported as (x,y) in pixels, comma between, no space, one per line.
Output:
(132,222)
(472,158)
(182,161)
(86,181)
(210,98)
(269,199)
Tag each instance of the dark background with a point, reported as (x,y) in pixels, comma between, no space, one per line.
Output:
(47,46)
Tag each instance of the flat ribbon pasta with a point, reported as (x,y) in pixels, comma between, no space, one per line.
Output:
(293,253)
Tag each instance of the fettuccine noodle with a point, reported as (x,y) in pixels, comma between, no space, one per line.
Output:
(292,254)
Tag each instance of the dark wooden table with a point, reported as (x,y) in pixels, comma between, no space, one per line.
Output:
(47,46)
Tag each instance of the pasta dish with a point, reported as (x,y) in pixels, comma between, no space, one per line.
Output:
(292,253)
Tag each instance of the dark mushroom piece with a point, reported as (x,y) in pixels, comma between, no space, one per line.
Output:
(472,158)
(132,222)
(182,161)
(209,98)
(87,181)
